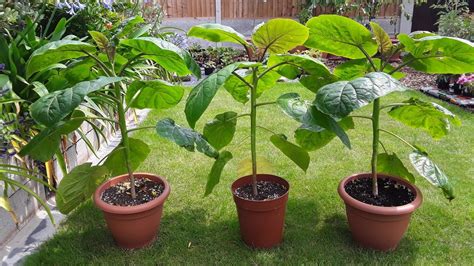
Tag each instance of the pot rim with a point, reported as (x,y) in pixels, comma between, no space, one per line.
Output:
(397,210)
(130,209)
(287,184)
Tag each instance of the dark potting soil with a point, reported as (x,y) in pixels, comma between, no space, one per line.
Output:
(121,195)
(391,193)
(266,191)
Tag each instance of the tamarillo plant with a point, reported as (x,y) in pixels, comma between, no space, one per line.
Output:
(246,81)
(116,79)
(368,76)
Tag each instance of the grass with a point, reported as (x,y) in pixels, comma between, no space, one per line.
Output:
(198,230)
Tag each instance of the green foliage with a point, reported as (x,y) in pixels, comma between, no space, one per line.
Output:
(116,161)
(340,36)
(79,185)
(185,137)
(220,131)
(116,85)
(366,79)
(341,98)
(431,117)
(255,77)
(155,94)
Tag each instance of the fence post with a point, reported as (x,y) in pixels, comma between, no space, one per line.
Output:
(218,11)
(405,23)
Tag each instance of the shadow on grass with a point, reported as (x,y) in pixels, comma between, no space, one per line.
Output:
(190,236)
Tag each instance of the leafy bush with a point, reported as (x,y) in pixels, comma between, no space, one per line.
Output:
(455,20)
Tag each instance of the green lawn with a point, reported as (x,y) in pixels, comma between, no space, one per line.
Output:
(198,230)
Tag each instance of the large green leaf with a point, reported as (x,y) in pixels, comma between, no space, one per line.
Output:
(340,36)
(356,68)
(185,137)
(295,64)
(202,94)
(298,155)
(157,94)
(317,137)
(390,164)
(79,185)
(164,53)
(431,172)
(431,117)
(116,162)
(220,131)
(217,33)
(55,52)
(44,145)
(53,107)
(438,54)
(316,81)
(293,106)
(216,171)
(240,91)
(279,35)
(384,42)
(341,98)
(312,118)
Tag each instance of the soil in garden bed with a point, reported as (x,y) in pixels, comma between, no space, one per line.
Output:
(266,191)
(391,193)
(121,195)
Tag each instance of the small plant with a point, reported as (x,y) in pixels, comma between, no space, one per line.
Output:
(454,19)
(372,77)
(116,80)
(275,37)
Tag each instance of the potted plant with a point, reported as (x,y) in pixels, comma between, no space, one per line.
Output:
(379,203)
(131,202)
(260,198)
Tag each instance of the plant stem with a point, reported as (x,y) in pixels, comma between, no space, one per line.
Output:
(265,103)
(124,134)
(375,145)
(253,129)
(399,138)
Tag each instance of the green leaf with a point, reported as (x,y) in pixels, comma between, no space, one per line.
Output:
(79,185)
(299,156)
(340,36)
(383,40)
(100,39)
(438,54)
(240,91)
(192,65)
(431,117)
(44,145)
(155,94)
(293,106)
(185,137)
(216,171)
(128,25)
(341,98)
(297,64)
(5,85)
(53,107)
(201,95)
(116,161)
(312,119)
(431,172)
(356,68)
(315,82)
(315,137)
(5,204)
(164,53)
(217,33)
(279,35)
(55,52)
(220,131)
(390,164)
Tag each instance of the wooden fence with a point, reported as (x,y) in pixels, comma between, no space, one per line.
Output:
(248,9)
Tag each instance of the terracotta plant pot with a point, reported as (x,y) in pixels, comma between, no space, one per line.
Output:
(261,222)
(375,227)
(133,226)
